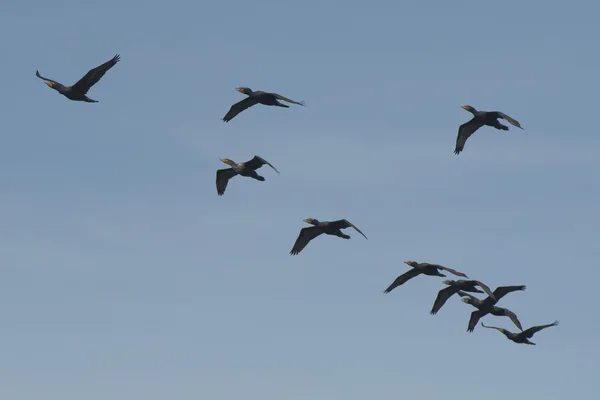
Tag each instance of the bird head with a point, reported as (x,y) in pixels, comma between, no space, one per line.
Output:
(468,108)
(50,84)
(448,282)
(227,161)
(244,90)
(466,300)
(411,263)
(311,221)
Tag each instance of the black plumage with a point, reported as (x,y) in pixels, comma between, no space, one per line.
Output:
(327,227)
(455,287)
(78,91)
(480,118)
(522,337)
(247,169)
(258,97)
(418,269)
(487,306)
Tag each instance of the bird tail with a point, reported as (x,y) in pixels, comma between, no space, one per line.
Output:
(260,178)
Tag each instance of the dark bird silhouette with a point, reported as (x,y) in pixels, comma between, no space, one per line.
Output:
(247,169)
(455,287)
(78,91)
(258,97)
(522,337)
(327,227)
(480,118)
(418,269)
(487,306)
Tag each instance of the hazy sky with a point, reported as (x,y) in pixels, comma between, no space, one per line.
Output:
(124,276)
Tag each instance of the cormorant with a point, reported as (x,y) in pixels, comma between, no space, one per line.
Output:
(487,306)
(258,97)
(455,287)
(78,91)
(247,168)
(418,269)
(522,337)
(327,227)
(480,118)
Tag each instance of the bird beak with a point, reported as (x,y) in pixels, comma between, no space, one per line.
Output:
(239,90)
(50,84)
(464,300)
(463,107)
(307,220)
(406,262)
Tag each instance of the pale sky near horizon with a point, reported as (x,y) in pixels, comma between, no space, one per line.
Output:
(124,276)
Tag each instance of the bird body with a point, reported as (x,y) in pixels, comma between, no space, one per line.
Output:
(332,228)
(455,287)
(481,118)
(258,97)
(418,269)
(78,92)
(247,169)
(522,337)
(487,305)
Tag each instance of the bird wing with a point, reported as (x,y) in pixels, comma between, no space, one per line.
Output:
(502,291)
(452,271)
(509,119)
(507,313)
(486,289)
(442,296)
(258,162)
(94,75)
(464,131)
(344,223)
(37,73)
(475,316)
(402,279)
(528,333)
(305,236)
(280,97)
(239,107)
(223,177)
(491,327)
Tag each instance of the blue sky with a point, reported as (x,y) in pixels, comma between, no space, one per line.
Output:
(125,276)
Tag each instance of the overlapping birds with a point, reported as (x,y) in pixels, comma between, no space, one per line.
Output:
(78,92)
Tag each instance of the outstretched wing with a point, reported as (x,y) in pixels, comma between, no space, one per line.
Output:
(475,316)
(464,131)
(452,271)
(502,291)
(402,279)
(528,333)
(486,289)
(442,296)
(305,236)
(344,223)
(223,177)
(499,311)
(280,97)
(509,119)
(37,73)
(239,107)
(94,75)
(258,162)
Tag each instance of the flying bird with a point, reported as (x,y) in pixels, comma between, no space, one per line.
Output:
(258,97)
(480,118)
(522,337)
(418,269)
(78,91)
(247,169)
(327,227)
(455,287)
(487,306)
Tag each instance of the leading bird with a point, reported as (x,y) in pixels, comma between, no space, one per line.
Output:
(78,91)
(327,227)
(480,118)
(258,97)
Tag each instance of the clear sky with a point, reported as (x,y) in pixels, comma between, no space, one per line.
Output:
(124,276)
